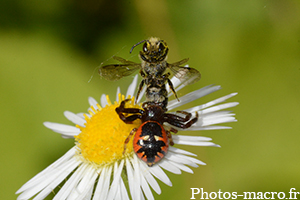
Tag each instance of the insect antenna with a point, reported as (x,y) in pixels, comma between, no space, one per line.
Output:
(136,45)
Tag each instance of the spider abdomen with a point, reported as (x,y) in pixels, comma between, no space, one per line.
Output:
(151,142)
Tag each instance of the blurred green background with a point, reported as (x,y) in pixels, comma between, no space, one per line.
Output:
(50,49)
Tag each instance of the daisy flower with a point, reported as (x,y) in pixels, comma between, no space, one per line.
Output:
(96,168)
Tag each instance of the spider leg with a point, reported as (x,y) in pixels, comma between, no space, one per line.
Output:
(129,119)
(173,130)
(179,118)
(170,137)
(132,132)
(179,121)
(121,109)
(122,105)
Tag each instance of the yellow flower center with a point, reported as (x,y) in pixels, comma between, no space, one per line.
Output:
(101,141)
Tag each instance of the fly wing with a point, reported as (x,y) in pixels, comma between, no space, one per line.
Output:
(117,71)
(186,75)
(124,61)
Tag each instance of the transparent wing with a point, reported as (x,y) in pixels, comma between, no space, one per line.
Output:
(124,61)
(186,75)
(117,71)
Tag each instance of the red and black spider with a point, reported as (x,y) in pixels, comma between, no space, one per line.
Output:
(151,140)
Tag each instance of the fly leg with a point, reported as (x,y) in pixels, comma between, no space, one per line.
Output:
(141,85)
(166,77)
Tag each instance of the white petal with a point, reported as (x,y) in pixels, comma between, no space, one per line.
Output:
(71,183)
(100,184)
(224,113)
(51,181)
(49,178)
(219,107)
(81,115)
(132,86)
(214,118)
(122,192)
(201,128)
(131,181)
(141,94)
(146,189)
(150,179)
(89,193)
(116,183)
(93,103)
(180,151)
(211,103)
(56,164)
(180,159)
(66,130)
(181,166)
(75,118)
(84,187)
(192,96)
(169,167)
(102,188)
(103,100)
(193,160)
(212,121)
(160,174)
(118,92)
(137,177)
(191,138)
(195,143)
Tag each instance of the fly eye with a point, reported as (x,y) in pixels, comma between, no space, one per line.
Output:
(161,47)
(145,47)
